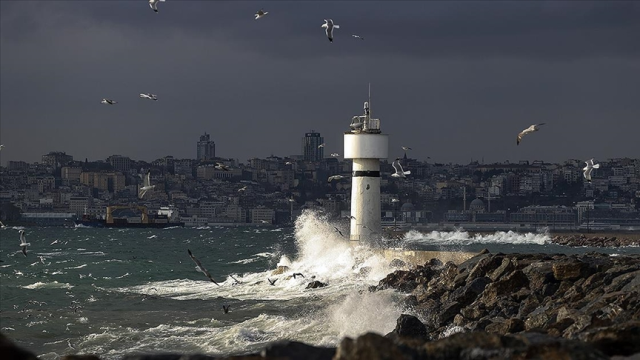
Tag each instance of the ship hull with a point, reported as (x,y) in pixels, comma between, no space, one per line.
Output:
(103,224)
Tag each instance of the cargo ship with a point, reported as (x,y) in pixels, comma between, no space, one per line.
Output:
(132,217)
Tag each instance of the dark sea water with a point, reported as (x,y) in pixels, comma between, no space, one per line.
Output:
(116,291)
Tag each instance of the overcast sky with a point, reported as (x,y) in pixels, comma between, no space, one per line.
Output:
(454,80)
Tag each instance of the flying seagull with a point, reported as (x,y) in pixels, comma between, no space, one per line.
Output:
(400,173)
(2,225)
(108,101)
(154,4)
(406,148)
(226,308)
(272,282)
(357,37)
(339,232)
(23,242)
(335,154)
(260,13)
(589,168)
(297,274)
(149,96)
(321,146)
(335,177)
(1,146)
(528,130)
(222,167)
(146,185)
(329,26)
(242,189)
(202,267)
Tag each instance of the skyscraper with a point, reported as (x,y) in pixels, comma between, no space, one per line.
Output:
(311,149)
(206,148)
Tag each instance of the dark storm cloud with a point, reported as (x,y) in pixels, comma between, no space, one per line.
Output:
(458,78)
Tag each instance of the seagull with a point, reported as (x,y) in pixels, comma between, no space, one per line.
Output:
(2,225)
(288,163)
(350,217)
(328,25)
(1,146)
(292,200)
(321,146)
(23,242)
(357,37)
(265,222)
(400,173)
(242,189)
(260,13)
(154,4)
(272,282)
(222,167)
(528,130)
(108,101)
(236,280)
(589,168)
(297,274)
(395,200)
(335,154)
(146,185)
(149,96)
(339,232)
(406,148)
(202,267)
(335,177)
(226,308)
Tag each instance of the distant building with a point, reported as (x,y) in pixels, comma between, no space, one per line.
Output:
(56,159)
(206,148)
(310,146)
(119,162)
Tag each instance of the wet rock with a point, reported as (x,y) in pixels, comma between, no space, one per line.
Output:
(371,346)
(10,351)
(409,326)
(570,270)
(397,263)
(621,339)
(296,350)
(315,284)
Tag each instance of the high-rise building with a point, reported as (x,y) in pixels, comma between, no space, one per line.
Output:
(56,159)
(206,148)
(311,149)
(119,162)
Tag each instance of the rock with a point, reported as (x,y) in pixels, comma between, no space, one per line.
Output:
(371,346)
(570,270)
(315,284)
(621,339)
(10,351)
(397,263)
(296,350)
(80,357)
(467,294)
(409,326)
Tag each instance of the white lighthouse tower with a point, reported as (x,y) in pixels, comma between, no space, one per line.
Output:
(365,144)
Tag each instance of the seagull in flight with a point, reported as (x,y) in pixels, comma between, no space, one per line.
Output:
(297,274)
(321,146)
(149,96)
(242,189)
(528,130)
(108,101)
(335,154)
(146,184)
(222,167)
(23,242)
(400,173)
(226,308)
(202,267)
(406,148)
(272,282)
(1,146)
(335,177)
(589,168)
(260,13)
(154,4)
(329,26)
(357,37)
(339,232)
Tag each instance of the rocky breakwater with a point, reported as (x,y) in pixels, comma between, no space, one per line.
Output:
(591,298)
(596,241)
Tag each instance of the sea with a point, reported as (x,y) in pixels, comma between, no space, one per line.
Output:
(112,292)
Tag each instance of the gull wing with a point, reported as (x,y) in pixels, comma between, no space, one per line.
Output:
(147,179)
(202,267)
(395,167)
(141,193)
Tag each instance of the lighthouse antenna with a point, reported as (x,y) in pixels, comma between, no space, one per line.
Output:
(369,100)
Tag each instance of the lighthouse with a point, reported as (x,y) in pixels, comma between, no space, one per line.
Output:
(366,145)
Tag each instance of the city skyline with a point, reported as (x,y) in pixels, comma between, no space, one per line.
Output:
(454,81)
